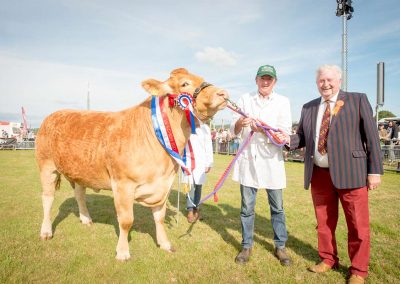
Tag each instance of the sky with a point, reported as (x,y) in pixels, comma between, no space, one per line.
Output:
(53,53)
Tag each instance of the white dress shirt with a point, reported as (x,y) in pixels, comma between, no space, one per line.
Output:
(322,160)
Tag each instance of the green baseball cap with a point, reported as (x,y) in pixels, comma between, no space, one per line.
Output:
(266,70)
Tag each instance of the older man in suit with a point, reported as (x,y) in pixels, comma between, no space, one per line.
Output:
(342,162)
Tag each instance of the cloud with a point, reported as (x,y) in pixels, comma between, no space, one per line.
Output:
(43,87)
(216,56)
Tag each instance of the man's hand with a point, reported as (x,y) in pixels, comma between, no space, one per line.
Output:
(245,121)
(242,122)
(255,128)
(373,181)
(283,136)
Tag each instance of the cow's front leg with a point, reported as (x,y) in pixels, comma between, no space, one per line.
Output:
(123,201)
(80,196)
(162,239)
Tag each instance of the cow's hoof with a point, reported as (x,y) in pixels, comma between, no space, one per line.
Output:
(168,248)
(86,220)
(123,257)
(46,236)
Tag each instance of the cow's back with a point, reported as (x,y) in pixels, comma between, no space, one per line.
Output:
(92,148)
(76,142)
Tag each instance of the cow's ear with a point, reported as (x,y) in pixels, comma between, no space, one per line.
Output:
(179,71)
(152,86)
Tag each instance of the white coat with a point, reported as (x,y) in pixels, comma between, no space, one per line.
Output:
(261,164)
(203,154)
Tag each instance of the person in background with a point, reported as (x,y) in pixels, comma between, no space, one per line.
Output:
(383,135)
(392,135)
(203,154)
(342,162)
(261,163)
(392,130)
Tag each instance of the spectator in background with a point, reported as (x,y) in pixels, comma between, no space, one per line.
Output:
(392,133)
(214,140)
(31,135)
(383,134)
(222,136)
(383,138)
(235,141)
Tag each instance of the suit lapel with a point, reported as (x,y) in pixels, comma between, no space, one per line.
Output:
(341,97)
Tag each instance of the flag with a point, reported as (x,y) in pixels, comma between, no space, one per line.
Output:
(25,128)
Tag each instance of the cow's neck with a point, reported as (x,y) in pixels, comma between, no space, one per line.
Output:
(179,124)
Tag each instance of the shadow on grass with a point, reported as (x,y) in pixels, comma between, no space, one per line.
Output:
(101,209)
(224,218)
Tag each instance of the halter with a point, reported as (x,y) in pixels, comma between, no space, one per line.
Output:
(200,88)
(186,102)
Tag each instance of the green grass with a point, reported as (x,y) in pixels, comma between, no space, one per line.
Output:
(205,250)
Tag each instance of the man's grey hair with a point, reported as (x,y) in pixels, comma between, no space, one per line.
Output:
(334,68)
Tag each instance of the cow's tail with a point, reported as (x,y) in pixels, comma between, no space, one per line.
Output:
(58,181)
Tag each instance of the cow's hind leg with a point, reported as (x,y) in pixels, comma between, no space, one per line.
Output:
(159,216)
(123,201)
(80,196)
(50,179)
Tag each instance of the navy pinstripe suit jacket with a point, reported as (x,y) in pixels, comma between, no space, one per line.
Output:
(353,141)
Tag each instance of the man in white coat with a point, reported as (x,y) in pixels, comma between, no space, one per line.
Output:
(202,150)
(261,164)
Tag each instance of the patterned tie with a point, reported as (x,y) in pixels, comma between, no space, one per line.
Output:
(323,131)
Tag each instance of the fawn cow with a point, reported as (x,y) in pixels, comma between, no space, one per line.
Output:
(121,151)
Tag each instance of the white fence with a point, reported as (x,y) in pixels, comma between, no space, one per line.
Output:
(390,153)
(391,156)
(12,144)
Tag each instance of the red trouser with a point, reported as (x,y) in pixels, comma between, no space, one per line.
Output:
(355,206)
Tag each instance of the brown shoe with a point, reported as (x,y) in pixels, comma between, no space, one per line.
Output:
(356,279)
(243,256)
(321,267)
(197,216)
(190,217)
(281,254)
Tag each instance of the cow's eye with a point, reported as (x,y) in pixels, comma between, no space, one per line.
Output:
(185,84)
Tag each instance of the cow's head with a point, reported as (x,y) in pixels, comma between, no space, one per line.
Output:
(208,98)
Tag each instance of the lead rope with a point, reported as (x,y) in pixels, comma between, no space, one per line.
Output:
(222,179)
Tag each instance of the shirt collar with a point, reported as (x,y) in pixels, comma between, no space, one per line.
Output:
(331,100)
(269,97)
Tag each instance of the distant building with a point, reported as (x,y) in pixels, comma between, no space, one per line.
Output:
(10,129)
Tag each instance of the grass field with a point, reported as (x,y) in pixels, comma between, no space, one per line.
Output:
(205,250)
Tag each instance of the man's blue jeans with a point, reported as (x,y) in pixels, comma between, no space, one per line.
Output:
(195,196)
(247,216)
